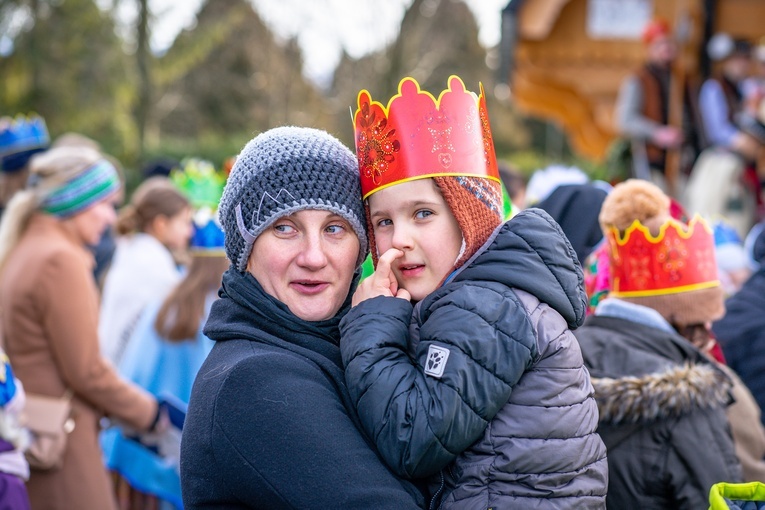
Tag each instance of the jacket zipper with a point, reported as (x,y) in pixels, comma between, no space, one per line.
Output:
(437,493)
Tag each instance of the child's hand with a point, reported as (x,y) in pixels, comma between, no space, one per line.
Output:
(382,282)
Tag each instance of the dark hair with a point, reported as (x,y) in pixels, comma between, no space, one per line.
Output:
(697,334)
(181,313)
(153,198)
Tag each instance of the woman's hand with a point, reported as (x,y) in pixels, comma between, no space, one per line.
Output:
(382,282)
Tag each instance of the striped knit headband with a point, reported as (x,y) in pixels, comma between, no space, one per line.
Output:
(90,186)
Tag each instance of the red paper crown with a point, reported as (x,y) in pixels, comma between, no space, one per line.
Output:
(417,136)
(680,259)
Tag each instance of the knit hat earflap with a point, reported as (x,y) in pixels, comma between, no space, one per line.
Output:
(280,172)
(476,204)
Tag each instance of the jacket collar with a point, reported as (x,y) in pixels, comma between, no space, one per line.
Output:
(641,373)
(615,307)
(676,391)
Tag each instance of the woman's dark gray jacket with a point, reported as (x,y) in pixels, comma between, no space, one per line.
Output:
(662,415)
(491,398)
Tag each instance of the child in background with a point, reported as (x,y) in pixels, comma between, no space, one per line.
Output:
(169,344)
(156,223)
(167,347)
(458,351)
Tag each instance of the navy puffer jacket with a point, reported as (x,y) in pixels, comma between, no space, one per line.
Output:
(490,396)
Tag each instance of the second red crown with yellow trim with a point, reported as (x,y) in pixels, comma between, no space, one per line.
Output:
(680,259)
(418,136)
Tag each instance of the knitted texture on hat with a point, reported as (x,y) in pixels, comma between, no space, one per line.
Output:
(88,187)
(282,171)
(476,203)
(686,308)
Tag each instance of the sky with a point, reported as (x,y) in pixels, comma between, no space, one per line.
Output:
(324,27)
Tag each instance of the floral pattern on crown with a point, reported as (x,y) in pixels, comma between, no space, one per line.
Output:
(681,258)
(418,136)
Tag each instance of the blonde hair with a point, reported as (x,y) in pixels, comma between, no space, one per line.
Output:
(155,197)
(47,172)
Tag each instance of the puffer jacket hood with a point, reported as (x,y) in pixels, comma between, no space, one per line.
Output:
(530,252)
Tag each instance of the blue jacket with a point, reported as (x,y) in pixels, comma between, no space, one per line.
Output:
(484,378)
(741,333)
(163,368)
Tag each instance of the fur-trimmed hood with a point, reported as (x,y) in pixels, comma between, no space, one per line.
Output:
(676,391)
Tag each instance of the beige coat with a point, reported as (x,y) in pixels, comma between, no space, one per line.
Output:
(747,430)
(49,306)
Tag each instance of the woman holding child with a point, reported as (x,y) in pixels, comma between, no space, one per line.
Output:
(492,362)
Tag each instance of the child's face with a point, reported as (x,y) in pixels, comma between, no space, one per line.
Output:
(174,231)
(413,217)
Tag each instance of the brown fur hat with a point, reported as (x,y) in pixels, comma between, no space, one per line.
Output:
(632,200)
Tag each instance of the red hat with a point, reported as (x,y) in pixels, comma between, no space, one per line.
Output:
(655,28)
(674,272)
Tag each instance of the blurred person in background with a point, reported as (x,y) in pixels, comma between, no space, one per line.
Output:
(545,180)
(49,306)
(726,181)
(643,108)
(721,98)
(14,439)
(741,332)
(650,349)
(20,138)
(167,347)
(733,264)
(576,208)
(154,225)
(103,251)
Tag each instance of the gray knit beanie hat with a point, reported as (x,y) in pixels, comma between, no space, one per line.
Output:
(284,170)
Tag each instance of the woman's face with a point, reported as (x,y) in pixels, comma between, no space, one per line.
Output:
(91,223)
(306,260)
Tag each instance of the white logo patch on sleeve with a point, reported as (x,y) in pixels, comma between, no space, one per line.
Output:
(436,361)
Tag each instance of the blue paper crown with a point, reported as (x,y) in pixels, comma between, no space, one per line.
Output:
(208,236)
(20,138)
(7,381)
